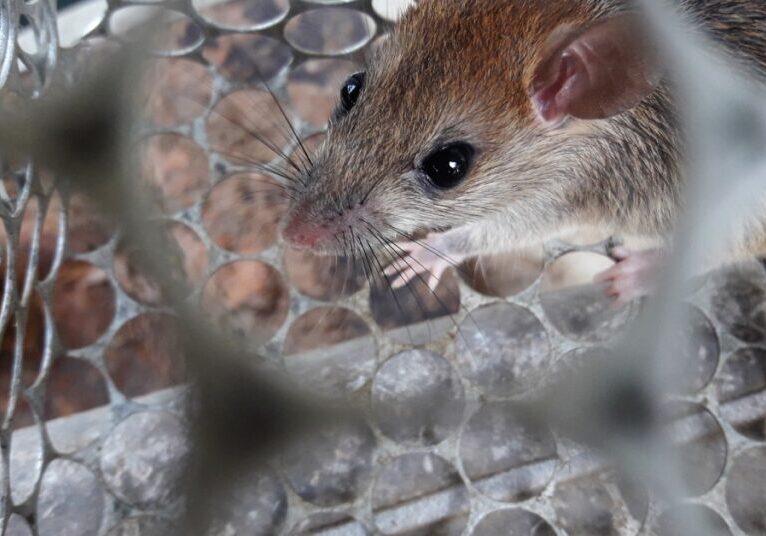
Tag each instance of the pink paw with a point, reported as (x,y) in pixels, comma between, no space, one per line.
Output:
(633,276)
(419,260)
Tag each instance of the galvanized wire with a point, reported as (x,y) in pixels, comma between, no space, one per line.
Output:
(442,450)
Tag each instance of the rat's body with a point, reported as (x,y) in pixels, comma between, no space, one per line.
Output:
(551,142)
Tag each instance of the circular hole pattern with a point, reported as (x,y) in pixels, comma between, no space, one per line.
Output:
(131,277)
(699,352)
(745,321)
(241,14)
(330,31)
(248,58)
(17,526)
(584,507)
(744,490)
(91,55)
(743,374)
(577,308)
(697,447)
(322,277)
(176,91)
(333,466)
(417,398)
(74,386)
(338,368)
(71,35)
(71,500)
(242,213)
(414,314)
(503,349)
(191,253)
(83,303)
(392,10)
(143,458)
(145,355)
(738,301)
(247,128)
(179,33)
(635,495)
(88,229)
(680,520)
(252,504)
(423,483)
(324,326)
(574,361)
(506,458)
(314,88)
(513,522)
(247,298)
(176,169)
(504,274)
(26,458)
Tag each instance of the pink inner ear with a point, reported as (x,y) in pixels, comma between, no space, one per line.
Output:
(549,96)
(594,74)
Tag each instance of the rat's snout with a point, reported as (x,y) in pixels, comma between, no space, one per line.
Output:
(325,223)
(300,233)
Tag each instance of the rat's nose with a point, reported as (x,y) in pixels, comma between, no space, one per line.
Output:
(298,233)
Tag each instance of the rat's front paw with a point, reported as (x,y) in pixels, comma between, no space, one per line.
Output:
(420,257)
(633,276)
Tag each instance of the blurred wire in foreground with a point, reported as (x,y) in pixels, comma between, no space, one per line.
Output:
(242,411)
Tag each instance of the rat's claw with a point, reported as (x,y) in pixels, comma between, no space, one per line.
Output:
(633,275)
(404,277)
(621,253)
(412,272)
(609,274)
(417,261)
(396,267)
(434,280)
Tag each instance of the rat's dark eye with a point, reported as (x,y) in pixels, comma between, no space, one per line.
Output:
(447,167)
(350,91)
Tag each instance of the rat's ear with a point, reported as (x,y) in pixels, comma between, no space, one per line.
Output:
(595,72)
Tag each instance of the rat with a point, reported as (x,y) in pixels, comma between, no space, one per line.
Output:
(493,125)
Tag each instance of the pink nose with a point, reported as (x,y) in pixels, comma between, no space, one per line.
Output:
(304,234)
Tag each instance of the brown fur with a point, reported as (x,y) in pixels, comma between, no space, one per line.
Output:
(461,70)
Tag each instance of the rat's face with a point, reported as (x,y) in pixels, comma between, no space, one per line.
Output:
(379,174)
(412,145)
(441,128)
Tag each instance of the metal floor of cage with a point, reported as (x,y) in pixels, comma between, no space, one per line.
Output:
(94,434)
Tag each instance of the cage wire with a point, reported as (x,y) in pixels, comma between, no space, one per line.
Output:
(391,412)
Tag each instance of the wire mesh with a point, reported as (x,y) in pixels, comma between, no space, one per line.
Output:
(442,450)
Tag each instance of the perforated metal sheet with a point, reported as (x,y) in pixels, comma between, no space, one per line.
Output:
(441,452)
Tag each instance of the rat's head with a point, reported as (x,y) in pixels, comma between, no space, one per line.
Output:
(463,111)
